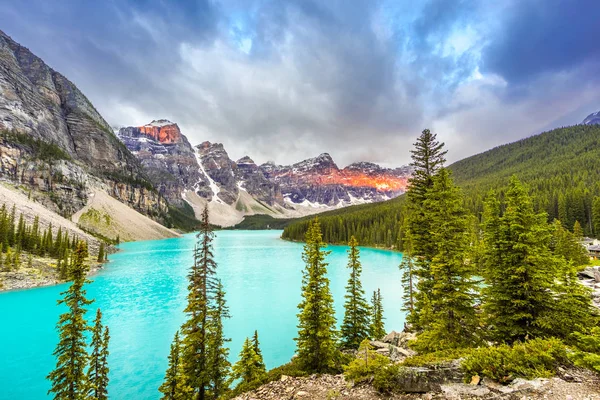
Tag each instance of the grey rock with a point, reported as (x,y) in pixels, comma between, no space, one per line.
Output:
(423,380)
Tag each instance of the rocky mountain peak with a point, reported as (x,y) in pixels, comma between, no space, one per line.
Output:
(592,119)
(245,160)
(364,167)
(323,163)
(163,131)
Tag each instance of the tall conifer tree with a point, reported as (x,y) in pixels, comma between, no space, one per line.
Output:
(428,157)
(449,320)
(377,327)
(68,378)
(355,327)
(98,362)
(202,284)
(256,346)
(409,283)
(173,387)
(220,368)
(316,339)
(519,267)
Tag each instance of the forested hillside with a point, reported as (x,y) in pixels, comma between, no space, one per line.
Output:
(561,168)
(371,224)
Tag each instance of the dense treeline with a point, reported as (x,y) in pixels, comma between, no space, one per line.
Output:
(371,225)
(561,168)
(16,237)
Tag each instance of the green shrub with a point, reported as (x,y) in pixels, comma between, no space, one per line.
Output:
(384,380)
(587,351)
(366,364)
(531,359)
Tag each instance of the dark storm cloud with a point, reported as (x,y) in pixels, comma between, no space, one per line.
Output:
(545,36)
(285,80)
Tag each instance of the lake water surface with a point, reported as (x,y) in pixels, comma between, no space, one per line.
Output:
(142,294)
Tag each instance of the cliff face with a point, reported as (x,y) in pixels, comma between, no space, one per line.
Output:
(40,102)
(55,141)
(168,158)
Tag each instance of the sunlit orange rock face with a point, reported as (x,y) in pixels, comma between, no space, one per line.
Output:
(162,132)
(382,182)
(322,171)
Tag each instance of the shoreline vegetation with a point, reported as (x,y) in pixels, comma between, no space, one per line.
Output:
(36,246)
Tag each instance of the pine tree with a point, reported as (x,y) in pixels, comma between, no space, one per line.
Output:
(11,226)
(248,367)
(8,260)
(101,252)
(315,343)
(409,283)
(577,231)
(566,245)
(97,375)
(428,157)
(68,378)
(219,364)
(196,357)
(519,267)
(256,346)
(173,387)
(355,327)
(377,327)
(450,318)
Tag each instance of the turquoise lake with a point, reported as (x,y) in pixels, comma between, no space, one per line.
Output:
(142,294)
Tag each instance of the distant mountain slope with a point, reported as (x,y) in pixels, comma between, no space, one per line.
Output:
(53,141)
(592,119)
(561,167)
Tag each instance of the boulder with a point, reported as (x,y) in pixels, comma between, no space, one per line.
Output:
(399,339)
(423,380)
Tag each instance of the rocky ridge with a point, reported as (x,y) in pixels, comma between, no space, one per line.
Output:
(56,143)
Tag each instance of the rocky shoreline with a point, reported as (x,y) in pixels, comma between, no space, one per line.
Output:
(42,273)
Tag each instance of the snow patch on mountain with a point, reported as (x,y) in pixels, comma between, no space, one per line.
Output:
(211,183)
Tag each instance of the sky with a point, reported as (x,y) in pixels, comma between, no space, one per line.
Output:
(286,80)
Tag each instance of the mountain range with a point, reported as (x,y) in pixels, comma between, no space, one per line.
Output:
(206,175)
